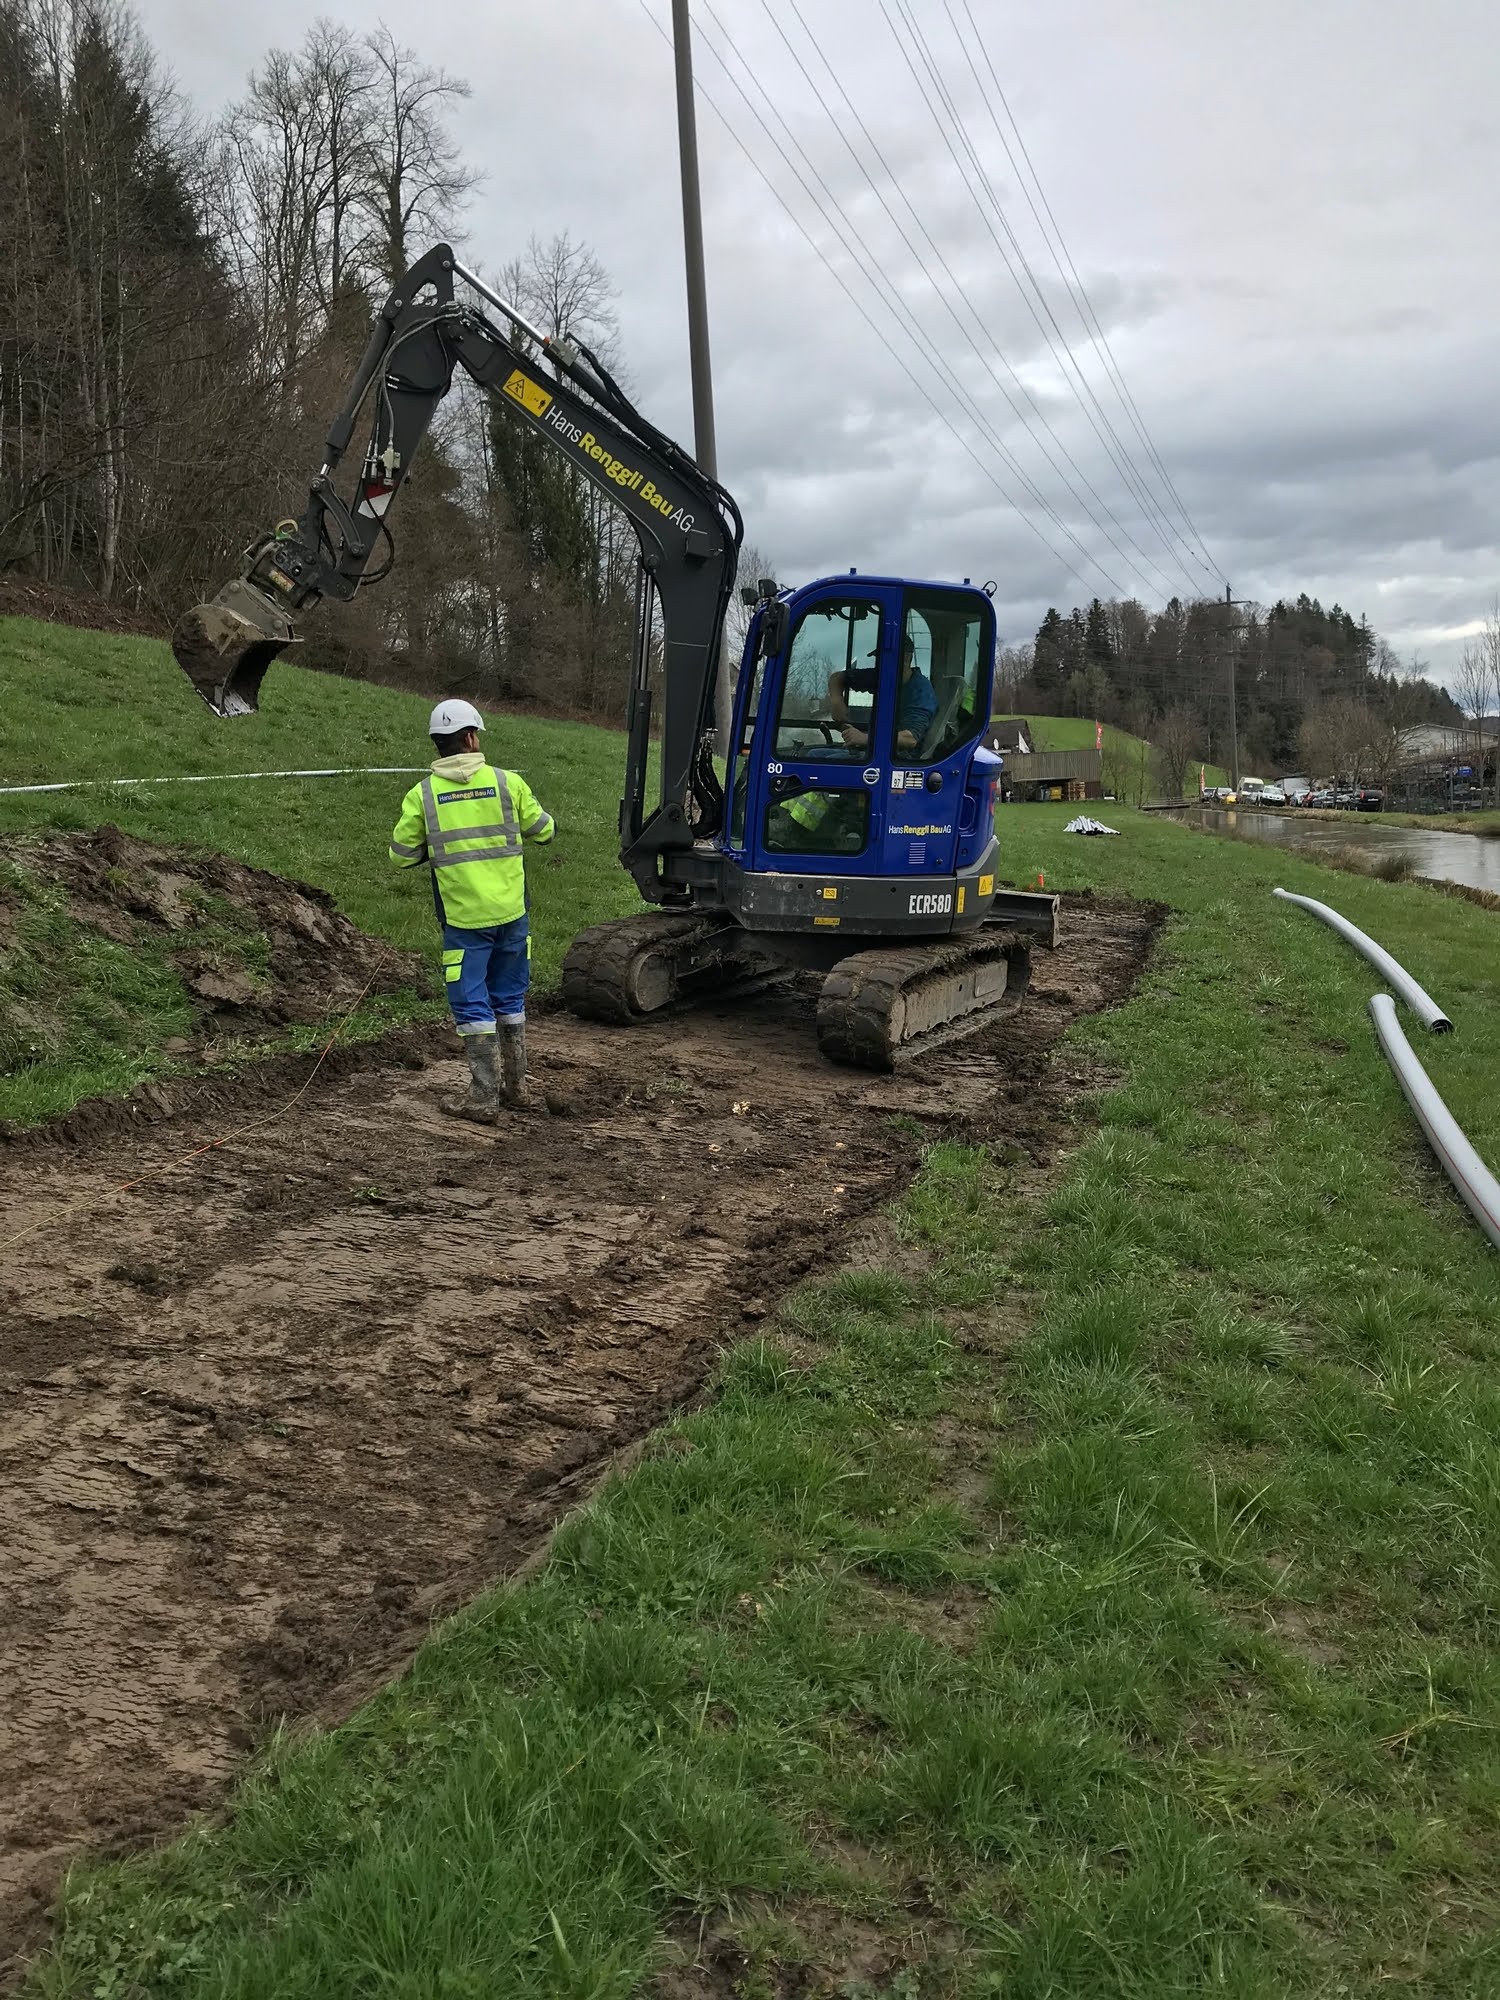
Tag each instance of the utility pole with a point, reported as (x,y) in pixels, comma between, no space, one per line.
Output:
(1234,719)
(705,449)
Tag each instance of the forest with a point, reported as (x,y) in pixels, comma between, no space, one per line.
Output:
(182,301)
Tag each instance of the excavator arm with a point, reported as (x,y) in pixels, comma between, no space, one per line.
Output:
(687,526)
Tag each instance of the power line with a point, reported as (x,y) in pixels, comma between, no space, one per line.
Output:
(1077,289)
(868,263)
(1087,401)
(818,251)
(958,288)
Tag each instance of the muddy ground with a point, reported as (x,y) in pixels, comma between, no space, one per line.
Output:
(268,1412)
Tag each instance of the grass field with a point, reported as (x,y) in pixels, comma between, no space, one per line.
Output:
(1092,1592)
(94,705)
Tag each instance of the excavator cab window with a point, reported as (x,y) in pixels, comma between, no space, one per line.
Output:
(832,667)
(938,702)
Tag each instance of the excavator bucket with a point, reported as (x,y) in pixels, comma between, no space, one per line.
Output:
(225,645)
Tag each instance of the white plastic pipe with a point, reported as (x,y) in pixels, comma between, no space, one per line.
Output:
(1477,1186)
(1395,975)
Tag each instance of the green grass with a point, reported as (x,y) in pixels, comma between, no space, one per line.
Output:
(95,705)
(1099,1599)
(1073,732)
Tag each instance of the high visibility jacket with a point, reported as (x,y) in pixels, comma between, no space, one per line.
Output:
(469,834)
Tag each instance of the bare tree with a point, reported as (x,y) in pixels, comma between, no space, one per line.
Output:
(1175,739)
(414,177)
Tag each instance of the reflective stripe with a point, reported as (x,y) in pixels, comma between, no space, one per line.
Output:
(500,832)
(429,810)
(453,973)
(477,854)
(454,955)
(475,1027)
(542,830)
(507,808)
(399,847)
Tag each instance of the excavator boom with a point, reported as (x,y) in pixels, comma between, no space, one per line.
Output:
(687,525)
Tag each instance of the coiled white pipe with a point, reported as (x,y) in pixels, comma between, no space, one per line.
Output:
(1477,1187)
(1395,975)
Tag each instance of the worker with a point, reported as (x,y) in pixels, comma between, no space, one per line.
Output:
(466,822)
(916,704)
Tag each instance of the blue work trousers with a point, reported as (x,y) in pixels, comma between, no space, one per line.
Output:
(487,973)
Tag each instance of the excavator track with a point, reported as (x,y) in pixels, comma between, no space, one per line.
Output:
(633,966)
(879,1008)
(875,1008)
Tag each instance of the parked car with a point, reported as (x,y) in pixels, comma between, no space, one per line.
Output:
(1319,798)
(1369,799)
(1345,799)
(1273,796)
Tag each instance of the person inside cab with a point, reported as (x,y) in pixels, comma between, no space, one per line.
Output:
(916,705)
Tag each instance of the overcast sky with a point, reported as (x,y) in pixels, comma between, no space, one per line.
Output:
(1284,215)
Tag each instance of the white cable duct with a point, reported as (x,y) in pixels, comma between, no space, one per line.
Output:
(1395,975)
(226,777)
(1477,1187)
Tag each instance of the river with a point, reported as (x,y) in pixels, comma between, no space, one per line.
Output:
(1473,858)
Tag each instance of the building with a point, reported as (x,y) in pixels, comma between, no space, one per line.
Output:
(1009,736)
(1053,774)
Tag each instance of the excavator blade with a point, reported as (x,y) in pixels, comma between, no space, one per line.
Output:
(225,645)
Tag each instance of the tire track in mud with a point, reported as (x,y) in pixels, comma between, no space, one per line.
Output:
(267,1415)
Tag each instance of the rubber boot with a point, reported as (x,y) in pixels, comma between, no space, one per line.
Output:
(513,1092)
(483,1099)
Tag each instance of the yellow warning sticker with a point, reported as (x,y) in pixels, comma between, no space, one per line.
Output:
(986,885)
(831,923)
(530,395)
(830,895)
(961,893)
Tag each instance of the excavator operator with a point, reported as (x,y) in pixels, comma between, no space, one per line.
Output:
(916,704)
(466,822)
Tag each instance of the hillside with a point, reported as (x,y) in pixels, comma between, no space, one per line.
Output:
(1076,732)
(104,705)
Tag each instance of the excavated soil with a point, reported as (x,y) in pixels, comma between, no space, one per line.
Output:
(254,952)
(269,1411)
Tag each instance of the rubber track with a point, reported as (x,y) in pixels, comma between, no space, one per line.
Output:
(864,994)
(596,973)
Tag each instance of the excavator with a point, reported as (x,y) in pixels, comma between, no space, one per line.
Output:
(852,837)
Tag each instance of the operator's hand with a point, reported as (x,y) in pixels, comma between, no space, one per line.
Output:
(906,743)
(854,739)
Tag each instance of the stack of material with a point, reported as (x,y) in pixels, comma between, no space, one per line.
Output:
(1083,824)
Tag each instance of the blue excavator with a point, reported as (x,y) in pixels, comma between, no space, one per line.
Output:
(852,837)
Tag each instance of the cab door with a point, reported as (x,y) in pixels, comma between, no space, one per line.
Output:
(939,703)
(819,806)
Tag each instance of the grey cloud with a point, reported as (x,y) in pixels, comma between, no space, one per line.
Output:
(1283,214)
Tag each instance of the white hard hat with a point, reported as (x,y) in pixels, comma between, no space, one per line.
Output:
(449,717)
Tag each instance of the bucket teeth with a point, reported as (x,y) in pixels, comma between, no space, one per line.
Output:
(225,645)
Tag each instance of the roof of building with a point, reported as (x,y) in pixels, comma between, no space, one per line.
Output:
(1009,735)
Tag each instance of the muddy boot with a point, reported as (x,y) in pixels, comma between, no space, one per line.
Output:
(483,1097)
(513,1093)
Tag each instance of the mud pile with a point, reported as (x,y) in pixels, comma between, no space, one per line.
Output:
(254,951)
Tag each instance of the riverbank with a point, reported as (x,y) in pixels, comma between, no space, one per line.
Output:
(1482,823)
(1089,1589)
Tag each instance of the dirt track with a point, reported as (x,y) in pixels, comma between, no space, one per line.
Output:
(267,1413)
